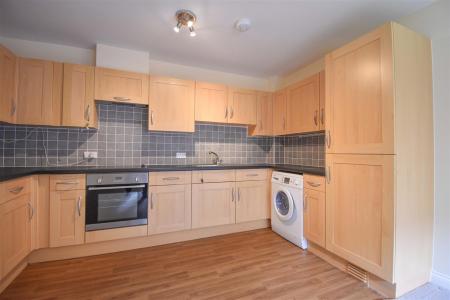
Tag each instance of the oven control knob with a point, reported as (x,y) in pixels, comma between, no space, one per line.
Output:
(137,179)
(99,180)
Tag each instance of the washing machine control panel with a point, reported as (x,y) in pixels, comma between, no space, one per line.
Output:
(286,180)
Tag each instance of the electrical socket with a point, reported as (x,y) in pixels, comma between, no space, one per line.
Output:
(181,155)
(90,154)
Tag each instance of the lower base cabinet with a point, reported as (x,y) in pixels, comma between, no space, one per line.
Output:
(314,216)
(67,217)
(15,232)
(213,204)
(169,208)
(252,201)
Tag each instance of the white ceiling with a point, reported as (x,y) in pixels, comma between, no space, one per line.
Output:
(284,35)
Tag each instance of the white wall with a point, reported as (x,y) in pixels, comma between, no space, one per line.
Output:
(130,60)
(434,21)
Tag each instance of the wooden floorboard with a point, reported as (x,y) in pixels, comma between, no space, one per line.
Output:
(251,265)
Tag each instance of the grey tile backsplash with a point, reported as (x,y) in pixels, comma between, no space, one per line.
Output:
(122,139)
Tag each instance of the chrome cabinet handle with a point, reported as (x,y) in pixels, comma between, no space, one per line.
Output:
(313,184)
(151,117)
(232,195)
(231,113)
(31,210)
(13,107)
(315,118)
(328,139)
(171,178)
(239,194)
(322,116)
(251,175)
(226,112)
(328,175)
(16,190)
(121,99)
(67,182)
(79,206)
(87,115)
(151,201)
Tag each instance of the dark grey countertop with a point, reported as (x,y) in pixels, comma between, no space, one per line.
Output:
(7,173)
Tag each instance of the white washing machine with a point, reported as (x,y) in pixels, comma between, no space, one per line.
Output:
(287,207)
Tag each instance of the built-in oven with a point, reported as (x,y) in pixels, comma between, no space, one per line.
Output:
(116,200)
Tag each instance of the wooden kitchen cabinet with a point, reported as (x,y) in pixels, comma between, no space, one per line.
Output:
(279,112)
(252,200)
(360,102)
(314,216)
(302,106)
(121,86)
(17,222)
(169,208)
(241,106)
(78,108)
(67,210)
(360,210)
(171,104)
(8,81)
(264,117)
(213,204)
(39,94)
(211,102)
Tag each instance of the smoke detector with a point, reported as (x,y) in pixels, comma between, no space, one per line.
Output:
(243,25)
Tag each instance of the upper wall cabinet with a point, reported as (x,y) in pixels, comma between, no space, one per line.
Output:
(359,92)
(211,102)
(171,104)
(264,118)
(279,112)
(78,96)
(302,106)
(242,106)
(39,94)
(8,81)
(121,86)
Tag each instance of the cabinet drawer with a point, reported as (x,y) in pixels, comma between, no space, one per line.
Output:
(213,176)
(169,178)
(67,182)
(251,174)
(314,182)
(15,188)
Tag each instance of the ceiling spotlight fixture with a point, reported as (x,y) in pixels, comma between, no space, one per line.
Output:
(185,18)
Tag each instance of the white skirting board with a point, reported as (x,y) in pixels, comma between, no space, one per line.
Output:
(440,279)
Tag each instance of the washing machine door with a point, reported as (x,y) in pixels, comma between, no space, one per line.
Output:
(283,205)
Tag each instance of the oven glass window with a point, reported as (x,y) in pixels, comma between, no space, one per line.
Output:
(114,206)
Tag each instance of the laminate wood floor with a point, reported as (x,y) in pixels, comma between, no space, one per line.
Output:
(252,265)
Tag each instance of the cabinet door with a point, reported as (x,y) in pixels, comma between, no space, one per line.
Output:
(213,204)
(360,210)
(15,232)
(253,201)
(78,96)
(359,96)
(39,92)
(314,216)
(169,208)
(171,104)
(211,102)
(322,100)
(264,118)
(242,106)
(67,217)
(279,113)
(8,80)
(121,86)
(302,108)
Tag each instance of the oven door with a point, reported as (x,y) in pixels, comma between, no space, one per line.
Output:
(116,206)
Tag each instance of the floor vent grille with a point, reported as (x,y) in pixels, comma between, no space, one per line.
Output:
(358,273)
